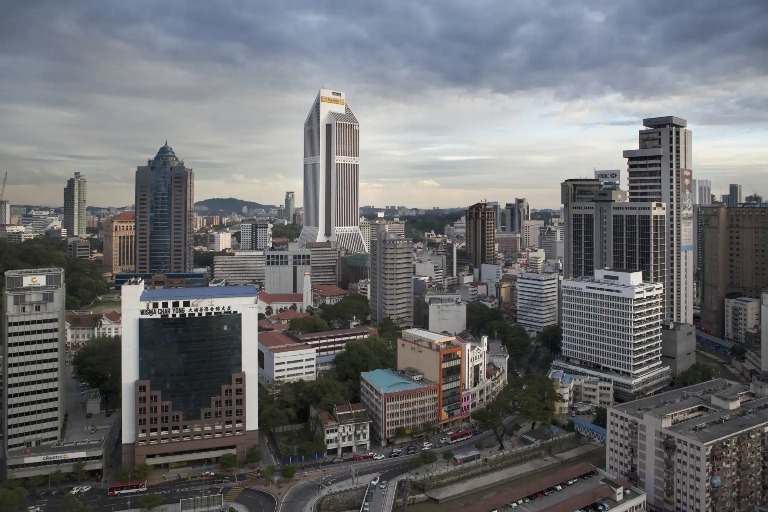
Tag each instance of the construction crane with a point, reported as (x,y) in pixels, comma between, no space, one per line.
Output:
(2,190)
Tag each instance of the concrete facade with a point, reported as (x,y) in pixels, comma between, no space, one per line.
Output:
(119,237)
(537,301)
(392,279)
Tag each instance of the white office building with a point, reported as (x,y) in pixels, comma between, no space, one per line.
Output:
(660,170)
(255,236)
(612,330)
(332,173)
(742,315)
(702,192)
(392,278)
(284,270)
(283,359)
(447,313)
(241,268)
(537,301)
(221,240)
(531,233)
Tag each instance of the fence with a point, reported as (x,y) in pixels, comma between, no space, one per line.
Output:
(298,459)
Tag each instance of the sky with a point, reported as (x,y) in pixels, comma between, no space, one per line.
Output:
(458,101)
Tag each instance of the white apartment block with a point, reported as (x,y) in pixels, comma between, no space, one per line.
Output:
(221,240)
(255,236)
(531,233)
(742,314)
(537,301)
(283,359)
(702,447)
(612,330)
(447,313)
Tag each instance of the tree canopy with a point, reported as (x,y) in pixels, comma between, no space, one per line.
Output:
(308,324)
(98,364)
(150,502)
(83,277)
(289,231)
(13,500)
(696,374)
(498,416)
(288,402)
(362,356)
(479,316)
(389,330)
(551,338)
(601,417)
(352,306)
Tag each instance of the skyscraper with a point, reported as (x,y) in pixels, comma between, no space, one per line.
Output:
(734,195)
(702,192)
(5,212)
(255,236)
(120,242)
(391,278)
(331,173)
(481,234)
(164,214)
(290,205)
(660,171)
(515,214)
(74,206)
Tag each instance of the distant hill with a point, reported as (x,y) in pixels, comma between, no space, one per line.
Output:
(230,204)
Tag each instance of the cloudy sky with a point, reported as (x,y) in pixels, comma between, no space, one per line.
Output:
(458,100)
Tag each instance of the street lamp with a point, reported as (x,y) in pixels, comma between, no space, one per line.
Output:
(130,478)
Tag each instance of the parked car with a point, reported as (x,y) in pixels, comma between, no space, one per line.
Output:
(337,460)
(85,488)
(74,490)
(394,454)
(375,481)
(208,473)
(378,456)
(426,445)
(383,484)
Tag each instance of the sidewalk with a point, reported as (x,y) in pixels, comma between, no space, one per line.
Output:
(340,486)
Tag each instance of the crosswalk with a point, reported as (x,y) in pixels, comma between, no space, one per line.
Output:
(252,475)
(233,493)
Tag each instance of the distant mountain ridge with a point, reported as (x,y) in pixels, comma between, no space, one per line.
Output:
(230,204)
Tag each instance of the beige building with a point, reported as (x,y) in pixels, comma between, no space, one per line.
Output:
(392,278)
(732,258)
(580,389)
(742,315)
(398,402)
(346,429)
(119,237)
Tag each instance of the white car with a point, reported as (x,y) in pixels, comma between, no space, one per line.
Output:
(383,484)
(426,445)
(74,490)
(85,488)
(378,456)
(375,481)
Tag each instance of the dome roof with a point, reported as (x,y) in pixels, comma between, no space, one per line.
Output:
(165,152)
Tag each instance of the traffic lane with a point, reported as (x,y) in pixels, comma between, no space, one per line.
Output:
(257,501)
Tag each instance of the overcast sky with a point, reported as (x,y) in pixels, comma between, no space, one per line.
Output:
(458,101)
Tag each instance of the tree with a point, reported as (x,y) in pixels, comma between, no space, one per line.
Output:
(79,472)
(447,455)
(68,503)
(400,432)
(13,500)
(696,374)
(536,397)
(308,324)
(150,502)
(56,477)
(254,455)
(352,306)
(142,471)
(738,352)
(601,417)
(288,471)
(98,364)
(427,457)
(496,416)
(550,338)
(362,356)
(289,231)
(269,472)
(389,330)
(479,316)
(228,461)
(34,482)
(121,475)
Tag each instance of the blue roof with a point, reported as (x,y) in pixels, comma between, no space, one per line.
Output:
(388,381)
(590,426)
(202,292)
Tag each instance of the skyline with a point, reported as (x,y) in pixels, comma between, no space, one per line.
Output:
(455,105)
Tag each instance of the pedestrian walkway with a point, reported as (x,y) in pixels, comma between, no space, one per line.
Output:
(233,493)
(350,483)
(253,475)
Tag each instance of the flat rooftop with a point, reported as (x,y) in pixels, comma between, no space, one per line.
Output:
(426,335)
(389,381)
(202,292)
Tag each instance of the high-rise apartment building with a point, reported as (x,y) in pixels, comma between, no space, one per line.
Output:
(392,278)
(612,330)
(515,213)
(241,268)
(701,447)
(189,373)
(537,300)
(734,195)
(75,202)
(5,212)
(290,206)
(119,237)
(742,315)
(733,260)
(255,236)
(481,234)
(702,192)
(165,201)
(531,233)
(33,332)
(660,172)
(332,173)
(370,228)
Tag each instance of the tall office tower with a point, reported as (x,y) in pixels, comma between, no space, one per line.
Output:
(189,373)
(497,213)
(165,199)
(660,171)
(612,330)
(733,258)
(33,332)
(5,212)
(74,206)
(370,228)
(481,234)
(255,236)
(734,195)
(701,447)
(331,173)
(290,206)
(603,231)
(552,241)
(324,263)
(531,233)
(515,214)
(702,192)
(537,300)
(119,237)
(392,278)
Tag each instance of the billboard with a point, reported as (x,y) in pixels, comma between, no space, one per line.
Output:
(55,457)
(610,178)
(32,281)
(686,209)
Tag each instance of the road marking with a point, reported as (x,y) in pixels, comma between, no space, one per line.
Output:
(233,493)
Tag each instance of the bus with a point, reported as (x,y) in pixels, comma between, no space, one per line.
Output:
(458,436)
(124,488)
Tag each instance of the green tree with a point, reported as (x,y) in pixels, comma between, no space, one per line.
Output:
(288,471)
(68,503)
(696,374)
(79,472)
(228,461)
(427,457)
(121,474)
(149,502)
(601,417)
(98,364)
(389,330)
(289,231)
(34,482)
(479,318)
(57,477)
(13,500)
(308,324)
(352,306)
(536,398)
(254,455)
(497,416)
(362,356)
(551,338)
(400,432)
(142,471)
(738,352)
(447,455)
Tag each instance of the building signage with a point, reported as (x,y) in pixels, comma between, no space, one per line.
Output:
(612,177)
(149,310)
(32,281)
(55,457)
(330,99)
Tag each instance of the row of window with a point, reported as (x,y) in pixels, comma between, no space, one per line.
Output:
(32,333)
(34,322)
(32,413)
(29,433)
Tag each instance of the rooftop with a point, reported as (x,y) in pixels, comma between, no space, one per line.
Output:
(274,339)
(202,292)
(389,381)
(272,298)
(124,216)
(421,334)
(325,290)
